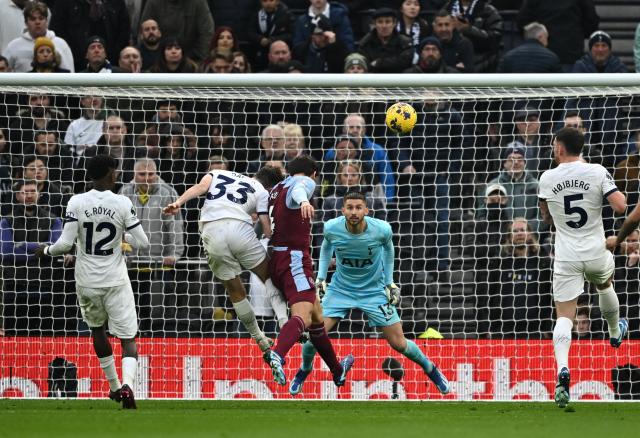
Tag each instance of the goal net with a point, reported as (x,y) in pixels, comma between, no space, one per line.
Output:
(472,256)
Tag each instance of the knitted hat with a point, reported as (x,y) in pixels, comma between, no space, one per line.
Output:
(430,40)
(43,41)
(95,39)
(356,59)
(599,37)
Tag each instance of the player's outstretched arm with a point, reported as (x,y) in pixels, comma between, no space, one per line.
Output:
(618,202)
(544,212)
(388,259)
(137,238)
(326,252)
(64,244)
(630,224)
(193,192)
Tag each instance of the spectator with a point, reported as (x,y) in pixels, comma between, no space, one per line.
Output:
(430,58)
(412,25)
(569,22)
(627,277)
(279,57)
(294,142)
(349,177)
(386,50)
(335,12)
(599,59)
(39,115)
(457,50)
(636,49)
(481,23)
(532,56)
(527,134)
(179,164)
(51,196)
(45,57)
(272,22)
(582,324)
(59,157)
(520,286)
(166,118)
(190,22)
(223,41)
(152,270)
(354,125)
(149,43)
(130,60)
(522,187)
(19,51)
(355,63)
(87,130)
(218,62)
(272,147)
(76,21)
(96,56)
(172,58)
(5,166)
(11,21)
(627,175)
(4,65)
(322,53)
(240,63)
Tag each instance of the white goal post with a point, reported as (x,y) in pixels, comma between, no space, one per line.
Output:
(473,258)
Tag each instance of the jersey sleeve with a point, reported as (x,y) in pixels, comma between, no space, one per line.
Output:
(389,253)
(262,201)
(301,190)
(130,218)
(326,251)
(608,184)
(69,231)
(543,188)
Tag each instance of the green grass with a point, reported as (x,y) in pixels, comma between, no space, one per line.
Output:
(300,419)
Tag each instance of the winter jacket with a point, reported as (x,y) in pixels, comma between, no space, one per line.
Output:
(281,27)
(443,68)
(586,65)
(327,60)
(71,22)
(458,49)
(393,57)
(19,52)
(339,17)
(530,57)
(166,232)
(523,195)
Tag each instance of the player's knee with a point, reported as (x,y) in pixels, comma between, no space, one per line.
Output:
(397,342)
(129,348)
(604,285)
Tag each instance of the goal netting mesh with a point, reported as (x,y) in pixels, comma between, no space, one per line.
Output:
(473,257)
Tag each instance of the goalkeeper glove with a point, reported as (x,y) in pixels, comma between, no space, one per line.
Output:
(393,294)
(321,288)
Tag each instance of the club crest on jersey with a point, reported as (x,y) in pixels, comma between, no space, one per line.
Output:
(356,263)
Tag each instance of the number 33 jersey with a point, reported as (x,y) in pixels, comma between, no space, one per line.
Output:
(234,196)
(575,193)
(102,219)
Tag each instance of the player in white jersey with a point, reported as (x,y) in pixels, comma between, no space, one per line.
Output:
(571,198)
(231,244)
(97,223)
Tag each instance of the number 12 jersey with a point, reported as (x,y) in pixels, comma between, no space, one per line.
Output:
(575,193)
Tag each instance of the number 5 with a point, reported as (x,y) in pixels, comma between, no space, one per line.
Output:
(568,209)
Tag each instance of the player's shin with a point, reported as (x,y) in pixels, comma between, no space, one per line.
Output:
(413,352)
(610,310)
(289,335)
(562,341)
(278,303)
(108,365)
(320,340)
(308,353)
(245,314)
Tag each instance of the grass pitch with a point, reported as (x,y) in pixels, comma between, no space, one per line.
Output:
(311,419)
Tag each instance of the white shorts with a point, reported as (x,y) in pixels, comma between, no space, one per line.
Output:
(232,247)
(569,277)
(113,304)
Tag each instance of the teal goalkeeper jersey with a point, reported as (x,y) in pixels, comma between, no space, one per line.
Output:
(364,262)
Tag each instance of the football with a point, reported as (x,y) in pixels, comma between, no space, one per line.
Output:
(401,118)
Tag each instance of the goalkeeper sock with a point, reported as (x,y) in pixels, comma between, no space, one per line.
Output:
(108,365)
(245,314)
(413,352)
(610,310)
(278,303)
(320,340)
(562,341)
(129,370)
(308,353)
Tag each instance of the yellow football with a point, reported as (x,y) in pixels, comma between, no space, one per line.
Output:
(401,118)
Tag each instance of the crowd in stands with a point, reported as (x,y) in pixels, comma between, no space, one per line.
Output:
(471,163)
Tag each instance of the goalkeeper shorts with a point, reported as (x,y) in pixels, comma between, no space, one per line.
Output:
(380,313)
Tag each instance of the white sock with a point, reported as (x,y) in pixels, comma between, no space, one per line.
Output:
(108,365)
(610,310)
(278,303)
(562,341)
(129,370)
(245,314)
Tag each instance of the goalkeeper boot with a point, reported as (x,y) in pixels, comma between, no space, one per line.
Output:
(116,396)
(276,363)
(562,388)
(128,401)
(296,384)
(439,380)
(346,363)
(623,325)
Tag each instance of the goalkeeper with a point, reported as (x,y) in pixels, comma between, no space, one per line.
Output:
(363,280)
